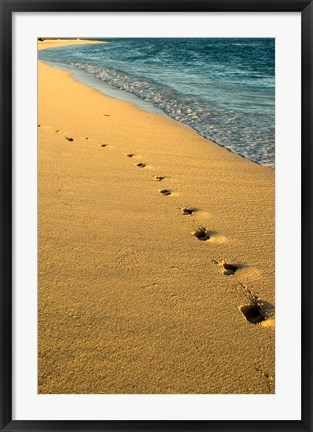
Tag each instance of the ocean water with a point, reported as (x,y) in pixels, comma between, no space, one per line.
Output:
(222,88)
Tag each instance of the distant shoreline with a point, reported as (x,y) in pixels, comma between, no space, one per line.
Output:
(54,43)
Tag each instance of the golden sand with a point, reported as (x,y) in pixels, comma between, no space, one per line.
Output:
(55,43)
(130,300)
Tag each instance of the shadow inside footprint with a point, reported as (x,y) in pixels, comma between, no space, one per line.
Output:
(201,233)
(253,313)
(229,269)
(141,165)
(187,210)
(103,145)
(158,178)
(165,192)
(130,155)
(69,138)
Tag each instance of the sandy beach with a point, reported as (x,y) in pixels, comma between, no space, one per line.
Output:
(129,299)
(56,43)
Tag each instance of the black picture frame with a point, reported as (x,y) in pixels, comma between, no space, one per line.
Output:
(7,9)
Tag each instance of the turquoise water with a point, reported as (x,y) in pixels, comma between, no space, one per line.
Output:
(222,88)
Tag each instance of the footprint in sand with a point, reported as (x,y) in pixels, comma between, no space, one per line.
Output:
(256,310)
(158,178)
(201,233)
(187,210)
(68,138)
(130,155)
(103,145)
(228,269)
(165,192)
(252,312)
(141,165)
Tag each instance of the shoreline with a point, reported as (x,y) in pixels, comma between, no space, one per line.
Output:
(140,102)
(56,43)
(129,300)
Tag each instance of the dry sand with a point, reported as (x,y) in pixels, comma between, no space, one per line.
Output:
(129,300)
(55,43)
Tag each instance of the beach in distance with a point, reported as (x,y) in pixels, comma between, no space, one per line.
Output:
(156,227)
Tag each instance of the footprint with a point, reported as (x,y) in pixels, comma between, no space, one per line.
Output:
(257,311)
(187,210)
(229,269)
(69,138)
(104,145)
(130,155)
(141,165)
(252,312)
(158,178)
(165,192)
(201,233)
